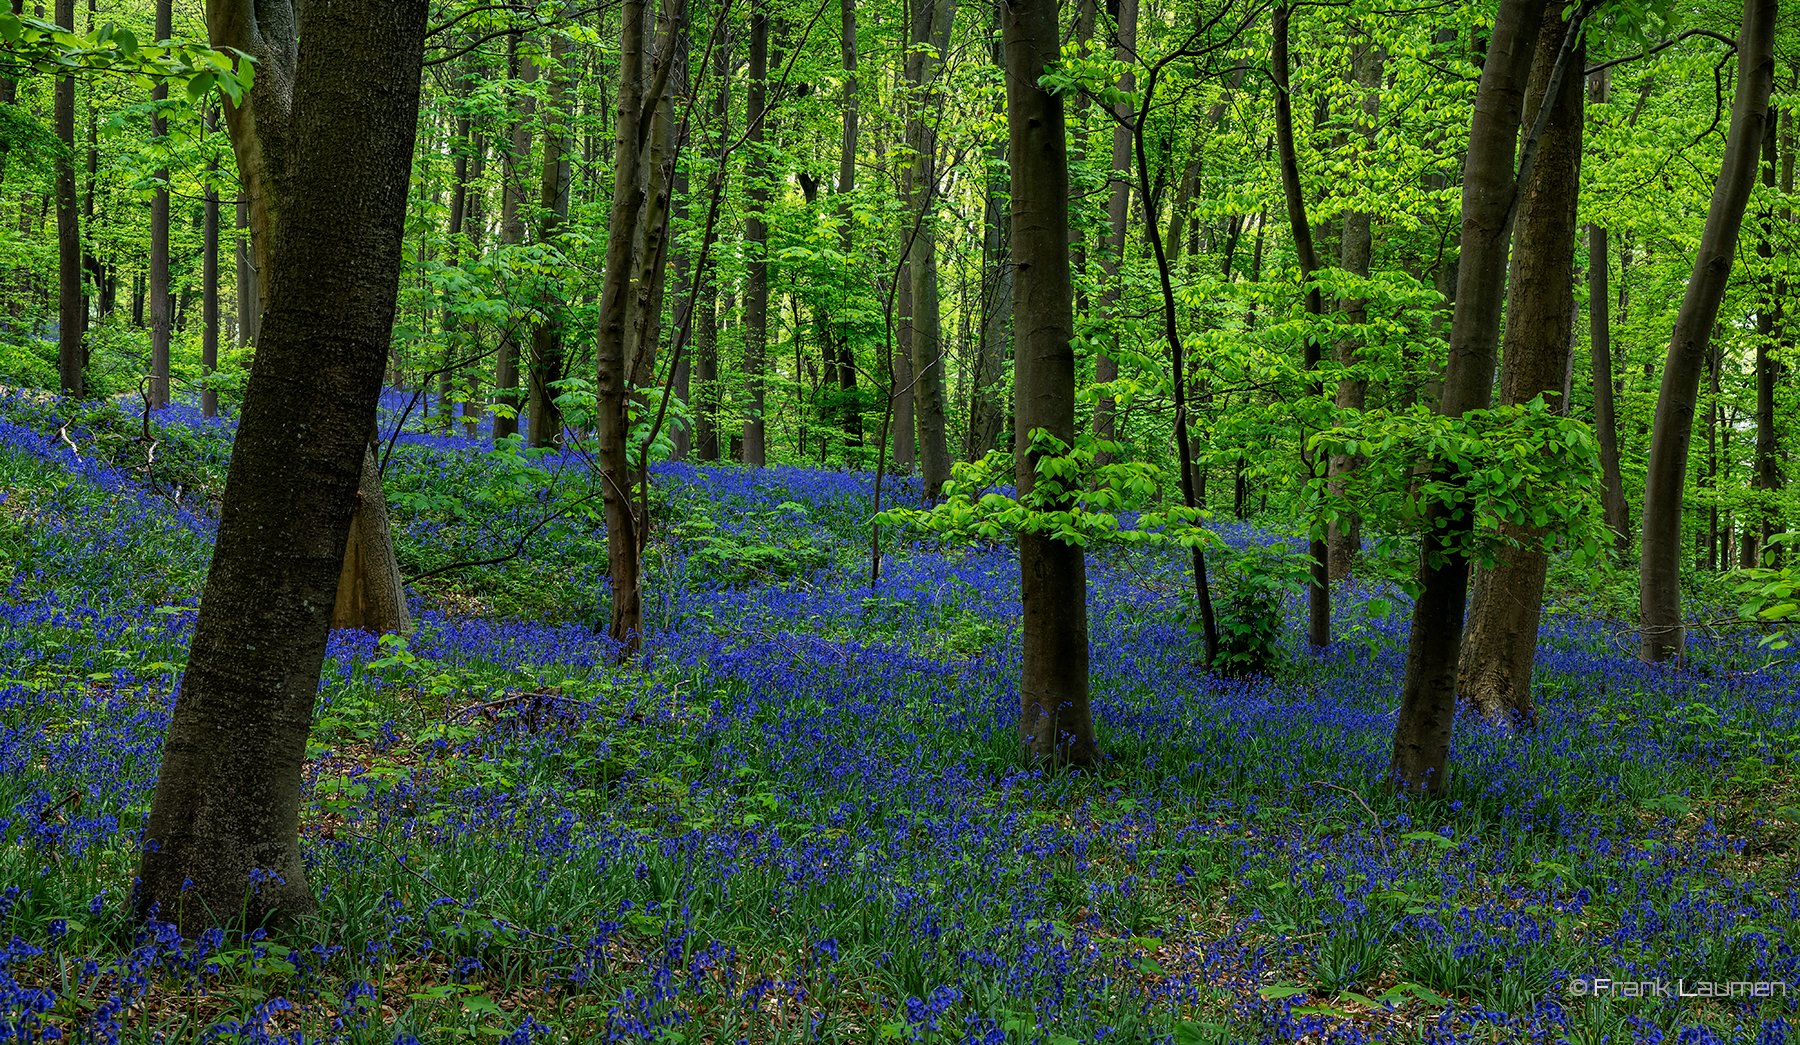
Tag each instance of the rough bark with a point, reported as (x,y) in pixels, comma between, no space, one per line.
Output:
(1055,723)
(1428,695)
(222,841)
(1502,630)
(1659,577)
(1318,617)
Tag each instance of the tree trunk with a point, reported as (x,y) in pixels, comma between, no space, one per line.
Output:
(640,88)
(553,207)
(223,833)
(1490,188)
(706,329)
(906,433)
(1501,644)
(1770,318)
(522,67)
(159,232)
(1344,537)
(249,291)
(1055,723)
(756,241)
(209,302)
(849,400)
(1318,618)
(1118,211)
(929,40)
(1659,573)
(71,312)
(993,347)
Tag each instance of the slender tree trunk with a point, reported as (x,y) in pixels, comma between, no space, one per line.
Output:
(641,84)
(1344,538)
(1771,315)
(249,292)
(553,207)
(209,278)
(1664,486)
(756,242)
(71,312)
(906,446)
(223,834)
(1055,723)
(849,400)
(986,413)
(1606,421)
(1118,212)
(1490,189)
(706,330)
(474,225)
(930,38)
(1502,630)
(523,67)
(159,232)
(1318,620)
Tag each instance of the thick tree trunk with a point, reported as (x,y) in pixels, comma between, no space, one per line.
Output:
(1055,723)
(1344,538)
(1659,575)
(1118,211)
(553,208)
(160,320)
(523,67)
(1501,644)
(71,309)
(1428,695)
(756,242)
(1318,618)
(223,835)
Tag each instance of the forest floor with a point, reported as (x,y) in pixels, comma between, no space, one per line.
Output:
(800,814)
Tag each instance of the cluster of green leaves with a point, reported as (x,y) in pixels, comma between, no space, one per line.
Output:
(1080,495)
(1518,475)
(34,45)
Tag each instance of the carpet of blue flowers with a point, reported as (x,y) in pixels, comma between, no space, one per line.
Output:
(800,815)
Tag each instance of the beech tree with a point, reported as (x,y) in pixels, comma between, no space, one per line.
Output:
(1659,577)
(1495,668)
(1055,723)
(1490,185)
(223,834)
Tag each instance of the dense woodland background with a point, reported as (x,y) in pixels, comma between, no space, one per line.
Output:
(744,422)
